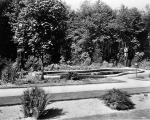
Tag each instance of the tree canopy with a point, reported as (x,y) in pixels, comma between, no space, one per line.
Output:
(50,27)
(104,33)
(40,26)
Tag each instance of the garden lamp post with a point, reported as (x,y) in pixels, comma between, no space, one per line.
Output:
(20,55)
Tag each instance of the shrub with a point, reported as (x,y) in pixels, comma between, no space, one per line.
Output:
(3,63)
(34,80)
(62,60)
(72,76)
(29,80)
(33,64)
(118,100)
(95,65)
(47,59)
(105,64)
(64,67)
(34,102)
(87,61)
(145,65)
(139,56)
(9,74)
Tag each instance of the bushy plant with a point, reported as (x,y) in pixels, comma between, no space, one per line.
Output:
(95,65)
(62,60)
(3,63)
(117,99)
(139,56)
(33,64)
(87,61)
(9,74)
(34,102)
(72,76)
(105,64)
(29,80)
(47,59)
(145,65)
(34,79)
(52,67)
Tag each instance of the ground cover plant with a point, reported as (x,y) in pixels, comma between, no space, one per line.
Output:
(34,102)
(118,100)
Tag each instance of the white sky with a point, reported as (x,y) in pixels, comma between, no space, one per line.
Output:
(140,4)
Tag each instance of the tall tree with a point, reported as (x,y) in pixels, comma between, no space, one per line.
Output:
(41,26)
(88,26)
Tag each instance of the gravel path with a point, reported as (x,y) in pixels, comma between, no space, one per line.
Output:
(75,108)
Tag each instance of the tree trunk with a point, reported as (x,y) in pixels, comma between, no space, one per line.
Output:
(42,69)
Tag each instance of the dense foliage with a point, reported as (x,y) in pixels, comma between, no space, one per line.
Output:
(50,31)
(40,25)
(34,102)
(9,74)
(117,99)
(72,76)
(104,33)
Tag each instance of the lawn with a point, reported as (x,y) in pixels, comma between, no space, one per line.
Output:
(15,100)
(142,77)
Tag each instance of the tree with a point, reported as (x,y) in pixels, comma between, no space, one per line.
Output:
(88,25)
(41,26)
(7,46)
(104,33)
(146,30)
(133,32)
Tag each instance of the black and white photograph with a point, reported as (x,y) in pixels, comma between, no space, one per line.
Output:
(74,59)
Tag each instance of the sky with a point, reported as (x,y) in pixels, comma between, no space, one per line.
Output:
(114,4)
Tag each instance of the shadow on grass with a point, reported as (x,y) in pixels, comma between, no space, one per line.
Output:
(52,113)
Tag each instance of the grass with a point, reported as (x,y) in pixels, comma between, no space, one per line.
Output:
(138,114)
(15,100)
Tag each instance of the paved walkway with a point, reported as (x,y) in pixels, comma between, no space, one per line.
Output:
(129,83)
